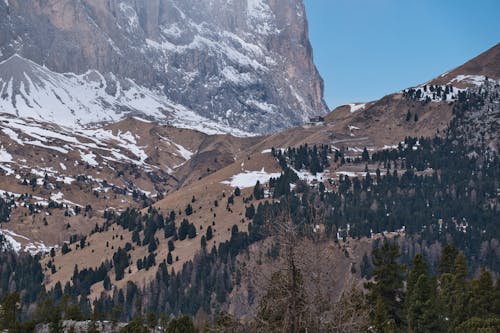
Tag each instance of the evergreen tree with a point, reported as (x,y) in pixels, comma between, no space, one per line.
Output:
(366,267)
(418,268)
(209,233)
(181,325)
(135,326)
(388,285)
(171,246)
(365,156)
(258,191)
(447,260)
(422,310)
(482,301)
(9,312)
(408,116)
(459,293)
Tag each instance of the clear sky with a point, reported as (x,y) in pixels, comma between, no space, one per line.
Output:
(365,49)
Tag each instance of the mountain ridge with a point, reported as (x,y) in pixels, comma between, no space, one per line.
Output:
(253,72)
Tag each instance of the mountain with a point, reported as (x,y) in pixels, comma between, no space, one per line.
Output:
(141,161)
(415,111)
(242,64)
(134,200)
(485,64)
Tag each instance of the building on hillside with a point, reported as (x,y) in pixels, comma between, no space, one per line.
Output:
(317,119)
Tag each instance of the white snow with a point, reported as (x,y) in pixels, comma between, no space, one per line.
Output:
(37,247)
(5,157)
(241,79)
(10,237)
(266,107)
(249,178)
(356,107)
(476,80)
(432,95)
(32,247)
(57,196)
(13,135)
(309,177)
(131,16)
(346,173)
(74,100)
(89,158)
(261,17)
(186,154)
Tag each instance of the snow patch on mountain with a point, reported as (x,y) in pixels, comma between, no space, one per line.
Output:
(476,80)
(5,157)
(249,178)
(356,107)
(11,242)
(186,154)
(15,243)
(261,15)
(28,90)
(89,158)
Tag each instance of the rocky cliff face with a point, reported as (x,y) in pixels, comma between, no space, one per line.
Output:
(244,63)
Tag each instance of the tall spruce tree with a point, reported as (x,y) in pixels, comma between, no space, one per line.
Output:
(386,292)
(421,303)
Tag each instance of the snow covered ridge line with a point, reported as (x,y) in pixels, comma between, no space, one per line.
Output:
(32,91)
(476,80)
(447,92)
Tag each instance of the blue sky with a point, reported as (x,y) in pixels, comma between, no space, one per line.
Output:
(365,49)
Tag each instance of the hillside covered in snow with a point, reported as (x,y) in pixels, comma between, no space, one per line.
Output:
(240,66)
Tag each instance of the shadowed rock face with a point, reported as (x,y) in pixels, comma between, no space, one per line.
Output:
(245,63)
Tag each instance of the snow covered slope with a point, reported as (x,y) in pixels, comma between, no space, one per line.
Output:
(29,90)
(243,64)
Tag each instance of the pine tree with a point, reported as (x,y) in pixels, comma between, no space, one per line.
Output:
(365,156)
(171,246)
(181,325)
(258,191)
(459,294)
(388,285)
(482,301)
(418,268)
(209,233)
(408,116)
(447,260)
(366,267)
(380,315)
(422,309)
(8,312)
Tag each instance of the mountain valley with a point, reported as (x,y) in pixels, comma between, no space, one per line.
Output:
(172,167)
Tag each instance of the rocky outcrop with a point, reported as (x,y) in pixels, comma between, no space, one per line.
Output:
(245,63)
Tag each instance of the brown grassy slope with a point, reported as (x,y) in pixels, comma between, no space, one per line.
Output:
(384,121)
(487,63)
(206,192)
